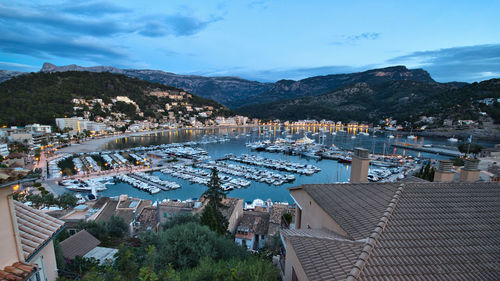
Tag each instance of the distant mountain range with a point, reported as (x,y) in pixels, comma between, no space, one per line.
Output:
(41,97)
(402,100)
(236,92)
(392,91)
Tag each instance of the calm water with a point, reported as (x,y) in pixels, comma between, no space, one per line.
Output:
(331,171)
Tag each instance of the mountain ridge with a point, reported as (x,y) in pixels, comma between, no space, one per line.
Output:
(235,92)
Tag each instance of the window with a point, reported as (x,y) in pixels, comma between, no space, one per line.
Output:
(40,274)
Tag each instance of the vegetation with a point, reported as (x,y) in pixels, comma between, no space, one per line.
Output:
(470,148)
(426,173)
(402,100)
(67,166)
(212,215)
(41,97)
(47,199)
(106,232)
(189,251)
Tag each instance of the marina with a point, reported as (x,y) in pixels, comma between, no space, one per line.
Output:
(185,157)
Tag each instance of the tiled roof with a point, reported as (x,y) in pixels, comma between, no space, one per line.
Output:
(230,204)
(35,228)
(427,231)
(19,271)
(355,207)
(440,231)
(323,254)
(79,244)
(255,222)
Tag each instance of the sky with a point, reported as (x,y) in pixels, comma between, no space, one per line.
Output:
(264,40)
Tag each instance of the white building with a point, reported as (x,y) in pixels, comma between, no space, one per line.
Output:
(4,149)
(37,128)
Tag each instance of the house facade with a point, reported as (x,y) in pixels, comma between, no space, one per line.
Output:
(26,240)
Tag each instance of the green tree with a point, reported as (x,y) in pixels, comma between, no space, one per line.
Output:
(67,200)
(212,215)
(126,264)
(116,227)
(180,219)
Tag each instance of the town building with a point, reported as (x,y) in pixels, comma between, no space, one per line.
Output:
(411,230)
(26,239)
(4,150)
(252,230)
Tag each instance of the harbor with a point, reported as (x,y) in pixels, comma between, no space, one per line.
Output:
(252,162)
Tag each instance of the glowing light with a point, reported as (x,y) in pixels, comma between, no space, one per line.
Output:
(15,187)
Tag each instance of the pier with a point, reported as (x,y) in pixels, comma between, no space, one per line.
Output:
(429,149)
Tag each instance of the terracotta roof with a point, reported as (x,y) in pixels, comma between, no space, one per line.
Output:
(355,207)
(445,231)
(230,203)
(427,231)
(18,271)
(324,255)
(78,245)
(35,228)
(255,222)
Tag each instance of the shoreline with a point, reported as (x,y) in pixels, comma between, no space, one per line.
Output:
(96,145)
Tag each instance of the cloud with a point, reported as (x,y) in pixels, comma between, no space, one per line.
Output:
(48,47)
(258,4)
(13,65)
(177,25)
(466,63)
(272,75)
(352,39)
(93,9)
(61,22)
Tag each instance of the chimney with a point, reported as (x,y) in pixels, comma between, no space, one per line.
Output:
(444,173)
(470,172)
(360,164)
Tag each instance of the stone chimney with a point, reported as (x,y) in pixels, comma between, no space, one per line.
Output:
(444,173)
(360,165)
(470,172)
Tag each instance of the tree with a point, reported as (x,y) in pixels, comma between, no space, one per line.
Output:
(116,227)
(67,200)
(470,148)
(180,219)
(126,264)
(212,215)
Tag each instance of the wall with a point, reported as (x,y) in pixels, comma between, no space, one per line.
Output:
(8,240)
(313,216)
(291,260)
(49,261)
(235,216)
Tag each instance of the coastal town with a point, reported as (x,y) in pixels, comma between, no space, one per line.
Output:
(249,140)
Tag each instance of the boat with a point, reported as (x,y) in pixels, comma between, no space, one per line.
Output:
(453,139)
(391,136)
(353,137)
(412,137)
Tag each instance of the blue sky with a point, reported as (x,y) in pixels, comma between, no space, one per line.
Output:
(264,40)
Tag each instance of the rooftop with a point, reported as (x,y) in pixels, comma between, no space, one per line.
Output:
(78,245)
(35,228)
(18,271)
(427,231)
(355,207)
(254,222)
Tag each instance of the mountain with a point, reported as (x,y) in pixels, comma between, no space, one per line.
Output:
(235,92)
(41,97)
(289,89)
(401,99)
(7,74)
(226,90)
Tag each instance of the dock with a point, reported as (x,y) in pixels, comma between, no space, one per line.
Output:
(430,149)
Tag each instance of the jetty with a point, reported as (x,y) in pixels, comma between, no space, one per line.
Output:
(439,150)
